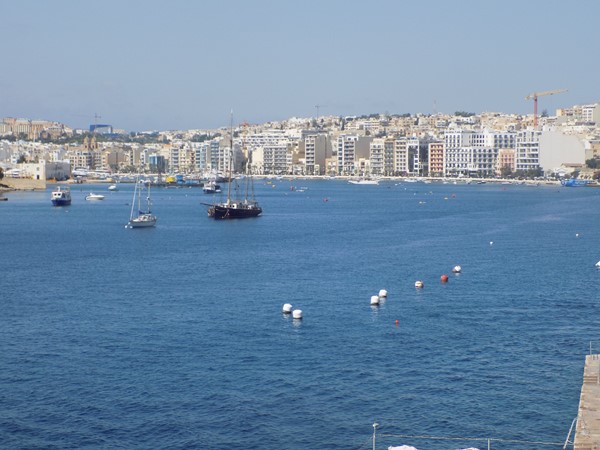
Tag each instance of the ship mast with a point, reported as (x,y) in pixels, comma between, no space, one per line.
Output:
(230,157)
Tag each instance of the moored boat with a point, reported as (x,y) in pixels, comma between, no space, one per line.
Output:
(364,181)
(94,197)
(61,196)
(236,208)
(574,182)
(211,187)
(144,218)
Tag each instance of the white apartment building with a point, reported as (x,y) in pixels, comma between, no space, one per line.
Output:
(350,149)
(474,153)
(346,154)
(316,151)
(377,152)
(527,150)
(275,159)
(406,156)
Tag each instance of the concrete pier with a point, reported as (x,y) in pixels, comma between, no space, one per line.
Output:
(587,432)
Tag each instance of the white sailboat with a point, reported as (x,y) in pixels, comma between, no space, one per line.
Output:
(143,218)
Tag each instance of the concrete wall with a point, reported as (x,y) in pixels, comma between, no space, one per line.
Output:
(23,184)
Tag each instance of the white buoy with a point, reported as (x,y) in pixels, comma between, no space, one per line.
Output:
(287,308)
(297,314)
(598,264)
(374,300)
(576,234)
(456,269)
(418,284)
(382,293)
(491,242)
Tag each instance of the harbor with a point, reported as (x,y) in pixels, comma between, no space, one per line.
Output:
(174,336)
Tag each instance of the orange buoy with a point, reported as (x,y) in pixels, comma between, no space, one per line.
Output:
(397,322)
(444,278)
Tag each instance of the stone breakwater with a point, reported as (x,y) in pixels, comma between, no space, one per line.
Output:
(22,184)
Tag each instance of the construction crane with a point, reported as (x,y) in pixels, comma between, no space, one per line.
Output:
(535,95)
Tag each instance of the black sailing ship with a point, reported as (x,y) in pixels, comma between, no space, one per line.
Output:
(236,208)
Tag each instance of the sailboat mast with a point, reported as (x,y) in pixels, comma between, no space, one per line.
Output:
(133,200)
(230,157)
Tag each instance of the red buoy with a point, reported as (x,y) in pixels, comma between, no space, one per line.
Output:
(444,278)
(397,322)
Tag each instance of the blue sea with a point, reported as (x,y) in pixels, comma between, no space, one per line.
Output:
(174,338)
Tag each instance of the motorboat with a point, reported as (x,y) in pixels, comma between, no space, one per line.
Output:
(364,181)
(93,197)
(211,187)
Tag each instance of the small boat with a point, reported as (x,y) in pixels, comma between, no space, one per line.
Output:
(144,218)
(211,187)
(61,196)
(113,187)
(574,182)
(364,181)
(94,197)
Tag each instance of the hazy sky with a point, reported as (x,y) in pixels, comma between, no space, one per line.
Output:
(182,64)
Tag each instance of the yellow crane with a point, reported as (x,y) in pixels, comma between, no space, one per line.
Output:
(535,95)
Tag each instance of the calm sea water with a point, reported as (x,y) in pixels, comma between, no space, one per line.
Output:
(173,337)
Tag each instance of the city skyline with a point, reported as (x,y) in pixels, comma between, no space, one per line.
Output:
(184,65)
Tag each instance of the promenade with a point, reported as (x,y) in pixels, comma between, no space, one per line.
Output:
(587,432)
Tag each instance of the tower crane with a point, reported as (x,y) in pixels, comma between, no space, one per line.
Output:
(535,95)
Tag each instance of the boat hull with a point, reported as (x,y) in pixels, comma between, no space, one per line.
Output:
(229,212)
(142,221)
(61,202)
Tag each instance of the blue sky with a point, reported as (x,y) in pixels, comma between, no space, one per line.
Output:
(177,64)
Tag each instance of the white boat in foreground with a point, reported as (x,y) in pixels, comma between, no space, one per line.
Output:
(94,197)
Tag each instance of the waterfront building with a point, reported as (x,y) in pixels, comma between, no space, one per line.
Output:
(388,156)
(346,154)
(275,159)
(157,163)
(506,161)
(436,159)
(527,150)
(316,151)
(404,155)
(376,157)
(474,153)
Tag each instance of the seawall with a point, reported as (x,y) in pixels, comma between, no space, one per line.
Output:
(23,184)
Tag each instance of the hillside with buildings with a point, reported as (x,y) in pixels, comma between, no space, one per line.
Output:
(481,145)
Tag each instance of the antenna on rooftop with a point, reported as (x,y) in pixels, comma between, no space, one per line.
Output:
(319,107)
(96,117)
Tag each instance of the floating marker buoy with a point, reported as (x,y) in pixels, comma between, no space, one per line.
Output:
(444,278)
(397,322)
(598,264)
(374,300)
(382,293)
(576,234)
(297,314)
(491,242)
(418,284)
(456,269)
(287,308)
